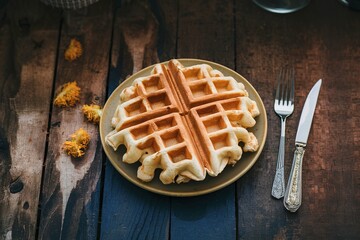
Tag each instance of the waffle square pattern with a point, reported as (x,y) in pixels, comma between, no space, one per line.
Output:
(187,121)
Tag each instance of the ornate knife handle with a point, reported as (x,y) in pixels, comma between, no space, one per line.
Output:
(292,198)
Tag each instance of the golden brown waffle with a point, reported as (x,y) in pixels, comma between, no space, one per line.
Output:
(147,98)
(187,121)
(200,84)
(160,143)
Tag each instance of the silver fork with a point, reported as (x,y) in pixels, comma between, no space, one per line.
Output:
(284,107)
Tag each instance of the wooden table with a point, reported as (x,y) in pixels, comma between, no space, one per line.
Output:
(46,195)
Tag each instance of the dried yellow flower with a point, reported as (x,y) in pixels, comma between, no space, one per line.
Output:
(68,96)
(77,145)
(74,50)
(92,112)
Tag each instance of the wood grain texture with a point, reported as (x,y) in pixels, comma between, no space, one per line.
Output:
(71,187)
(205,34)
(28,43)
(320,41)
(130,212)
(88,199)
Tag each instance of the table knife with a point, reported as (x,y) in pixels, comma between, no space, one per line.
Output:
(292,198)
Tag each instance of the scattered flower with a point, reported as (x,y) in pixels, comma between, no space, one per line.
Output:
(92,112)
(74,50)
(77,145)
(68,96)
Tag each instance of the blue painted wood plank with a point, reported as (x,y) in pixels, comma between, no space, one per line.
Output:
(130,212)
(211,216)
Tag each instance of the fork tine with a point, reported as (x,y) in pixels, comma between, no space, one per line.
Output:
(286,87)
(283,86)
(292,91)
(277,95)
(288,77)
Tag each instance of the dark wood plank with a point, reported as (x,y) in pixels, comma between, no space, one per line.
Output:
(28,43)
(205,34)
(320,41)
(141,29)
(70,199)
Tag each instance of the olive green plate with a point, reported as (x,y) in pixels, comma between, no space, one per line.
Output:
(192,188)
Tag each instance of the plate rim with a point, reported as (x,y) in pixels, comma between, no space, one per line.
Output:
(219,186)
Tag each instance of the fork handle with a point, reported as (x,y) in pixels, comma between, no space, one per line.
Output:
(278,188)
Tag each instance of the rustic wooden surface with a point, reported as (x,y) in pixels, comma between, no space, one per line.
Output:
(71,187)
(28,56)
(47,195)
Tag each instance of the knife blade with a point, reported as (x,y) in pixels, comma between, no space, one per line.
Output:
(293,193)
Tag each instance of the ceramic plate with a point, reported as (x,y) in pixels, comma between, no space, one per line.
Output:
(192,188)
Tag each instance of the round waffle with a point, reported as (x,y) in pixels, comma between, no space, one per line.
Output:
(186,118)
